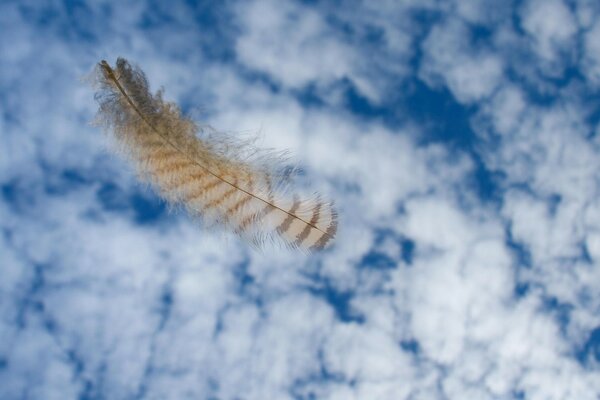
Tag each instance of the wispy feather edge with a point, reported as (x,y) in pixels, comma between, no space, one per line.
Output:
(221,180)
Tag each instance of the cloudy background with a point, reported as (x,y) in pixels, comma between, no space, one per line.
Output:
(460,140)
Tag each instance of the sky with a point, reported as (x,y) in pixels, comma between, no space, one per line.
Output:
(460,141)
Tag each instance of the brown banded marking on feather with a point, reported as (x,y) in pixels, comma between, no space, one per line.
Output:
(327,235)
(159,159)
(158,153)
(270,203)
(173,174)
(243,201)
(269,208)
(163,154)
(153,144)
(165,174)
(248,219)
(323,230)
(238,207)
(183,187)
(179,181)
(252,216)
(213,191)
(153,151)
(296,228)
(309,227)
(287,222)
(246,222)
(170,168)
(202,190)
(217,201)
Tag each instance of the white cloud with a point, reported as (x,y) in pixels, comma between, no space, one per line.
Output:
(297,46)
(90,298)
(592,53)
(552,27)
(506,109)
(481,12)
(291,43)
(471,75)
(586,11)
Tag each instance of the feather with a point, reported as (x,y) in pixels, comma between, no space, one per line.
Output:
(224,181)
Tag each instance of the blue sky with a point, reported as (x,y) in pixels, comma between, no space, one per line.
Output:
(459,139)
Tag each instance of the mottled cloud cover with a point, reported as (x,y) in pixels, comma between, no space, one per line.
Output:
(460,140)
